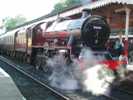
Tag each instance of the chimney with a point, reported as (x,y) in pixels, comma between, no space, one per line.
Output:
(85,13)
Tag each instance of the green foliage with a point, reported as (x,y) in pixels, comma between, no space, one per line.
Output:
(59,7)
(70,3)
(11,23)
(65,4)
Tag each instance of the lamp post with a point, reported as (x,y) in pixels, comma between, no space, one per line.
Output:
(127,11)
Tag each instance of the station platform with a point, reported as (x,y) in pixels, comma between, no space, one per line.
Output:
(8,90)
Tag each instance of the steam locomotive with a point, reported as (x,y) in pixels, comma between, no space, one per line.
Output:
(36,43)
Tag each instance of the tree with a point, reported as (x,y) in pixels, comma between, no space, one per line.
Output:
(70,3)
(59,7)
(65,4)
(11,23)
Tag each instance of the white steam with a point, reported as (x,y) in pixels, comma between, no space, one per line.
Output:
(94,75)
(85,72)
(62,76)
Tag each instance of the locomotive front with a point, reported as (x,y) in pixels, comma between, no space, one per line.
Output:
(91,31)
(69,36)
(95,32)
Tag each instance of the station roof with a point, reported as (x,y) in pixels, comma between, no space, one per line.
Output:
(102,3)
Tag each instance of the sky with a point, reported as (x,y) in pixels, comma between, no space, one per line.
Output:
(30,9)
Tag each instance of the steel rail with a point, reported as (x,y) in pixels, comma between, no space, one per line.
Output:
(28,75)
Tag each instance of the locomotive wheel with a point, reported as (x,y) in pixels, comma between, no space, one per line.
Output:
(13,54)
(25,56)
(37,63)
(20,57)
(40,63)
(8,53)
(28,60)
(16,55)
(44,67)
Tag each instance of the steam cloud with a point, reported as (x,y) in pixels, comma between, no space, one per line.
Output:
(62,76)
(94,74)
(82,73)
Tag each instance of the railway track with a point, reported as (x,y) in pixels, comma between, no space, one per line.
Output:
(64,97)
(56,93)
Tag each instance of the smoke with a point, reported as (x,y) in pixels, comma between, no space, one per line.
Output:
(62,76)
(94,75)
(84,73)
